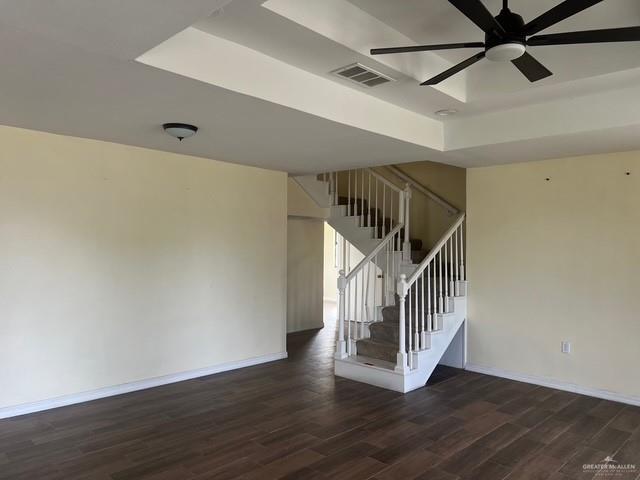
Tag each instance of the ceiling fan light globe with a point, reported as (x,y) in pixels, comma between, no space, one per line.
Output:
(506,52)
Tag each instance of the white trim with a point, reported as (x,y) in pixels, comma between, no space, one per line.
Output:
(25,408)
(329,300)
(557,384)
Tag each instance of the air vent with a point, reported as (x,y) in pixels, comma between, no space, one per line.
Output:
(362,75)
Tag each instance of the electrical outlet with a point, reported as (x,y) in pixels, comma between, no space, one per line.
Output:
(565,347)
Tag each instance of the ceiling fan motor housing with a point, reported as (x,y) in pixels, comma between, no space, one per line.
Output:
(509,46)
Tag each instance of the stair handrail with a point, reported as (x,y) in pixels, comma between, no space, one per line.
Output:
(423,321)
(451,210)
(344,347)
(367,190)
(374,252)
(387,182)
(437,247)
(405,196)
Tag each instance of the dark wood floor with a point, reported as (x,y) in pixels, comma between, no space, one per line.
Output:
(292,419)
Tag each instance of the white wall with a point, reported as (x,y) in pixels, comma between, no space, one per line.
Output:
(119,264)
(557,260)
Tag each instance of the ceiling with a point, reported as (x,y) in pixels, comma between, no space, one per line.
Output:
(255,77)
(439,22)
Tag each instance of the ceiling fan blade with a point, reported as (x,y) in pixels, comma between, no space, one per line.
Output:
(566,9)
(478,14)
(426,48)
(455,69)
(628,34)
(531,68)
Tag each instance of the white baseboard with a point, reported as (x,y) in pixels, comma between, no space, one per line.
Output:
(72,399)
(558,385)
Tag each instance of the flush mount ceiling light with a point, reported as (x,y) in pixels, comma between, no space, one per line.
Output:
(180,130)
(446,112)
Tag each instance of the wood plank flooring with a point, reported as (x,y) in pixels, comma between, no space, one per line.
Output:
(293,419)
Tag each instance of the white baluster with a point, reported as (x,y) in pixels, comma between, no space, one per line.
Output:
(341,351)
(355,193)
(395,260)
(456,291)
(401,360)
(463,274)
(392,274)
(429,294)
(446,277)
(385,277)
(349,207)
(369,203)
(349,301)
(409,324)
(451,267)
(363,303)
(362,200)
(375,288)
(423,334)
(391,211)
(344,254)
(384,207)
(406,250)
(416,324)
(377,214)
(440,299)
(355,306)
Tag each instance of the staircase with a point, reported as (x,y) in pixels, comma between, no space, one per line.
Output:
(402,308)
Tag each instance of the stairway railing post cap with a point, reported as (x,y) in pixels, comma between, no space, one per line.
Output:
(342,281)
(402,286)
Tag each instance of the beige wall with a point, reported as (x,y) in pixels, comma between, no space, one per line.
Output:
(330,270)
(300,204)
(557,260)
(305,238)
(305,251)
(120,264)
(429,221)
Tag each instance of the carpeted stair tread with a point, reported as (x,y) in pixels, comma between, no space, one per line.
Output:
(381,350)
(385,332)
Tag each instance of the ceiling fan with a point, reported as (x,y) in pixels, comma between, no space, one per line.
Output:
(507,37)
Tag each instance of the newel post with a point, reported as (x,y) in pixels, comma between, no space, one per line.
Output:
(341,348)
(406,248)
(401,362)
